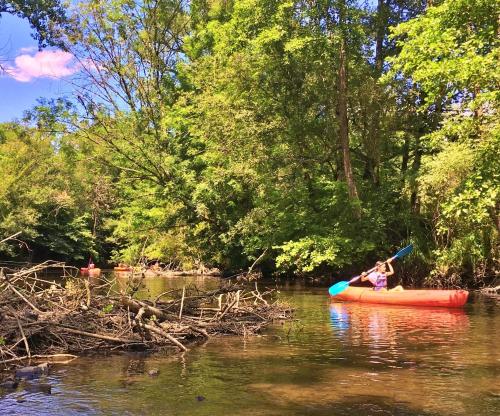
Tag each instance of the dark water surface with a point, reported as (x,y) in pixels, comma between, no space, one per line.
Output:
(340,359)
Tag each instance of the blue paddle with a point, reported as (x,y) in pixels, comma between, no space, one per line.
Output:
(341,286)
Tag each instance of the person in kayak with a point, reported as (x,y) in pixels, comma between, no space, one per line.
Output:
(378,278)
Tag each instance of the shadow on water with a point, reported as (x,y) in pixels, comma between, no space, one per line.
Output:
(369,405)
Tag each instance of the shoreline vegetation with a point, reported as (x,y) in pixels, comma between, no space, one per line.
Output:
(317,137)
(48,321)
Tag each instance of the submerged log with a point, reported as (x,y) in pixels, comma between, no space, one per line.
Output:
(32,372)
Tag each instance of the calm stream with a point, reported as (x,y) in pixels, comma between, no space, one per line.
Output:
(339,359)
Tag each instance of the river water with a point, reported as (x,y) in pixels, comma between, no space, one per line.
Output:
(338,359)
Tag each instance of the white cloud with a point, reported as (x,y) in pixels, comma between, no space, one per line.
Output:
(43,64)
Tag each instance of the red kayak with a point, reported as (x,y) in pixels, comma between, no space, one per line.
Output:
(123,269)
(445,298)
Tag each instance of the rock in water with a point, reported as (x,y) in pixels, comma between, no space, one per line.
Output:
(38,388)
(9,385)
(32,372)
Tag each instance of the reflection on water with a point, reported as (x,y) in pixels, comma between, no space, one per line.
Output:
(150,287)
(341,359)
(384,329)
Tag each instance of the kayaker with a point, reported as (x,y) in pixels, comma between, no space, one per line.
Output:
(378,278)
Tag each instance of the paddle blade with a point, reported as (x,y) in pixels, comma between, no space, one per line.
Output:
(338,288)
(404,251)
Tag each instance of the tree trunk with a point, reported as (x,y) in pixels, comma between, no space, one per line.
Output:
(406,156)
(382,22)
(344,122)
(373,142)
(417,161)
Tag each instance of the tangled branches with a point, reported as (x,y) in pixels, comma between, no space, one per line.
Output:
(41,318)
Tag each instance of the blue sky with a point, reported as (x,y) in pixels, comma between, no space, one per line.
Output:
(20,90)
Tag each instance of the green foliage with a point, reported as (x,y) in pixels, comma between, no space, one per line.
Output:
(43,16)
(452,52)
(108,308)
(441,174)
(208,133)
(468,227)
(47,190)
(451,48)
(265,115)
(314,252)
(144,226)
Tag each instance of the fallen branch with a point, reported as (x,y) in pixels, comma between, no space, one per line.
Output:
(24,337)
(11,287)
(69,358)
(182,302)
(98,336)
(166,335)
(10,237)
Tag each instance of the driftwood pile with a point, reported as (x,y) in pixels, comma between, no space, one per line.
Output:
(43,319)
(493,290)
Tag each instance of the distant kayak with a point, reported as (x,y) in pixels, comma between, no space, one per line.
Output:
(95,272)
(92,272)
(123,269)
(425,297)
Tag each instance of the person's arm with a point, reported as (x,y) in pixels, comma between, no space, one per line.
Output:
(364,277)
(391,270)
